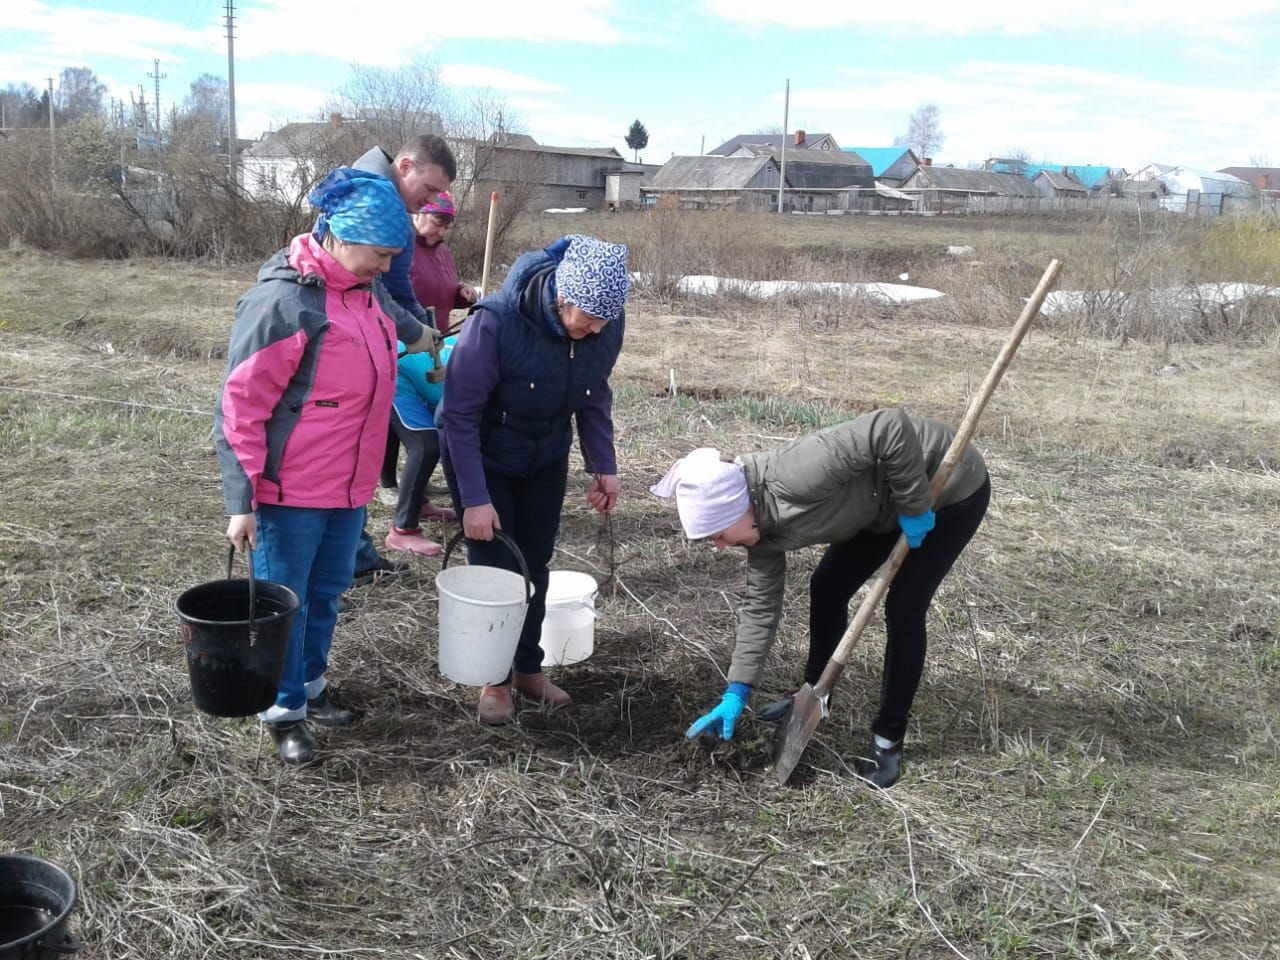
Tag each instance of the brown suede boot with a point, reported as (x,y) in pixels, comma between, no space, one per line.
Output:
(496,706)
(536,686)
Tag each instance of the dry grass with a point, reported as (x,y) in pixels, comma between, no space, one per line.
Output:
(1093,769)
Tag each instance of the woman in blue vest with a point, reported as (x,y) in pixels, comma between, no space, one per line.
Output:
(533,359)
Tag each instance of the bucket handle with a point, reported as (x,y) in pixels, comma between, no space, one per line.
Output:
(253,590)
(511,545)
(68,945)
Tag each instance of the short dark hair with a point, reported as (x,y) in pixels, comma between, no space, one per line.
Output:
(428,148)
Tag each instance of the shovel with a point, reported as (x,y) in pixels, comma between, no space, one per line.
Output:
(810,703)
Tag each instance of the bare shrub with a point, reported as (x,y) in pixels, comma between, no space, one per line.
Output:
(659,250)
(1164,280)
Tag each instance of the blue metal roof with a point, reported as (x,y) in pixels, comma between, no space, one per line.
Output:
(880,158)
(1087,173)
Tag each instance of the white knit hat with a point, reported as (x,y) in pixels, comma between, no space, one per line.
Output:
(711,495)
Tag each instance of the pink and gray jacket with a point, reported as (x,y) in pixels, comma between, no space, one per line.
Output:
(301,420)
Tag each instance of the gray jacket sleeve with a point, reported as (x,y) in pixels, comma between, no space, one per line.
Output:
(759,614)
(896,447)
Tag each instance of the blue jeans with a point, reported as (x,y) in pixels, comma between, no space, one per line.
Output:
(367,557)
(312,552)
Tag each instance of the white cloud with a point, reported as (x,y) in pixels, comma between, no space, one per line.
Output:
(1232,22)
(327,28)
(75,34)
(472,75)
(1065,114)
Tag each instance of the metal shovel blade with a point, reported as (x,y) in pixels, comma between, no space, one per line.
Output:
(794,732)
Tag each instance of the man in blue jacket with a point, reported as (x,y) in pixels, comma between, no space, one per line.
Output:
(421,169)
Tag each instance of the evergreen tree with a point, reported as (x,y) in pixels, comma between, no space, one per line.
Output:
(637,138)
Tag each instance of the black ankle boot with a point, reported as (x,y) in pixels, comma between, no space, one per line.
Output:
(294,741)
(325,712)
(880,767)
(777,711)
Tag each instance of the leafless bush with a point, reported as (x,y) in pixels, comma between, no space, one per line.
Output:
(659,254)
(1167,281)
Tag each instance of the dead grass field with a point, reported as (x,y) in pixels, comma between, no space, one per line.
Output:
(1093,770)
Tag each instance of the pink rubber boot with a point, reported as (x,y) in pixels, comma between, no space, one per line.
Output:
(413,541)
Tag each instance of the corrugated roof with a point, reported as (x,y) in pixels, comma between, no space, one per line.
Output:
(534,147)
(709,173)
(769,140)
(973,181)
(835,158)
(1089,174)
(294,139)
(881,158)
(1265,178)
(1061,181)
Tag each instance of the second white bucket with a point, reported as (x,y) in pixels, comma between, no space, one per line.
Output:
(481,614)
(569,627)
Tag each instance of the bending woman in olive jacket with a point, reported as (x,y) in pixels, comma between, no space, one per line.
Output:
(856,487)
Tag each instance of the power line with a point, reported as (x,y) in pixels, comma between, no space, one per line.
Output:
(157,76)
(231,93)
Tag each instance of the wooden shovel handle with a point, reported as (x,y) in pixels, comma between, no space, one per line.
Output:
(488,243)
(883,576)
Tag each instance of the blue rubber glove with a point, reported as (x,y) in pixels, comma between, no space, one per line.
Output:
(916,527)
(726,713)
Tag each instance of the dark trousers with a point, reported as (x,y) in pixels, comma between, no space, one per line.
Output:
(847,566)
(391,455)
(529,512)
(421,454)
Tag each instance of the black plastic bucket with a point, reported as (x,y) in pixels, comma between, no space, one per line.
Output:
(36,898)
(235,657)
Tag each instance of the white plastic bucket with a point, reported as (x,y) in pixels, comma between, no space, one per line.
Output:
(481,613)
(569,627)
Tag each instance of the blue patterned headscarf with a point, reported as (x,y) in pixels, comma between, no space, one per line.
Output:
(592,275)
(360,207)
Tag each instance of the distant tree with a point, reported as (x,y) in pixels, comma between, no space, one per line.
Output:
(1021,158)
(924,131)
(395,103)
(20,105)
(202,121)
(637,138)
(80,94)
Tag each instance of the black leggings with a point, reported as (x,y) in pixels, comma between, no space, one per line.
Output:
(421,454)
(847,566)
(390,457)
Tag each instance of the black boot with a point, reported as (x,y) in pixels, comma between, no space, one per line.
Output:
(294,741)
(879,766)
(777,711)
(325,712)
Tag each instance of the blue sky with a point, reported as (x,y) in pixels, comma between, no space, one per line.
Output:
(1115,83)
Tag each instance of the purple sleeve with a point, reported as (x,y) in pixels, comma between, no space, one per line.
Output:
(595,432)
(473,374)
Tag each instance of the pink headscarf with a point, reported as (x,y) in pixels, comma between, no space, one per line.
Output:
(711,495)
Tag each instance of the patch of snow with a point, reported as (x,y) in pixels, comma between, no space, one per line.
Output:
(565,210)
(964,250)
(1186,296)
(888,294)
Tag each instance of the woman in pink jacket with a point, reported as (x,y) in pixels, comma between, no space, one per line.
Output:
(301,423)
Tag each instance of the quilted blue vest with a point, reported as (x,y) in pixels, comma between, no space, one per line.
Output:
(544,377)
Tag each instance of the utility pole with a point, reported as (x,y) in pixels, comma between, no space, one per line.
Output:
(53,143)
(782,172)
(124,173)
(157,76)
(140,105)
(231,93)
